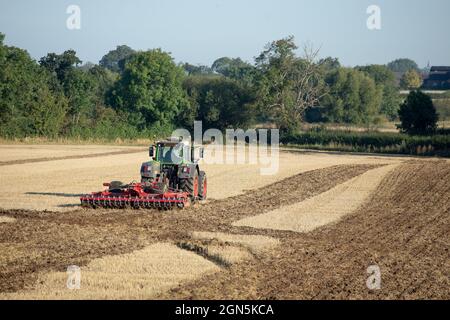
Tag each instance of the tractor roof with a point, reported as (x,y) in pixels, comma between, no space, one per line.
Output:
(173,142)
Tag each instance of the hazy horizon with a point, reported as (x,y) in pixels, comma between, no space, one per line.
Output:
(200,31)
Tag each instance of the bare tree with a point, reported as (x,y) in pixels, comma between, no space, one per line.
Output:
(289,84)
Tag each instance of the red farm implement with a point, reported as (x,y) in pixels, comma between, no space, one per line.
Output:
(136,196)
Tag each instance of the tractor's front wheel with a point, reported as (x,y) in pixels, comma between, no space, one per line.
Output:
(116,186)
(191,186)
(147,180)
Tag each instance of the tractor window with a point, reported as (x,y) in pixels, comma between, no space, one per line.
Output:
(187,153)
(170,154)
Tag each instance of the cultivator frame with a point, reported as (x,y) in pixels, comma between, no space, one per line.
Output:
(136,196)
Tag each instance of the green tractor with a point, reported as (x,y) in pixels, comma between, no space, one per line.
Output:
(174,166)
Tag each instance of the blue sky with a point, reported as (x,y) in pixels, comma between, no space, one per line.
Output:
(199,31)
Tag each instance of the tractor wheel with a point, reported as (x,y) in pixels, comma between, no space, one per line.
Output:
(147,180)
(190,185)
(203,186)
(115,186)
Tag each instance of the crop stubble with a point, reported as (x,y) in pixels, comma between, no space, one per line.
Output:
(404,228)
(42,242)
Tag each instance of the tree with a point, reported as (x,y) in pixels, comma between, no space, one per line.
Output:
(28,105)
(411,80)
(87,66)
(220,102)
(104,80)
(379,73)
(353,97)
(60,64)
(196,70)
(114,59)
(150,90)
(329,64)
(78,85)
(402,65)
(418,114)
(385,79)
(234,68)
(80,90)
(287,84)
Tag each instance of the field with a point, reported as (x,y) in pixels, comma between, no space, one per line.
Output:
(308,232)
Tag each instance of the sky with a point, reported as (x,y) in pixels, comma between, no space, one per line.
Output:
(200,31)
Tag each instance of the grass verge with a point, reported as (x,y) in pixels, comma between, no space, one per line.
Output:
(370,142)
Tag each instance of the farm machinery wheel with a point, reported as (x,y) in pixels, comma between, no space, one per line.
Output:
(203,186)
(191,186)
(116,186)
(147,180)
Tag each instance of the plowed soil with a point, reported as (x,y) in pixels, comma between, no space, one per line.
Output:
(40,242)
(404,228)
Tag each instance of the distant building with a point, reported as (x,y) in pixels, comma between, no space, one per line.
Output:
(437,79)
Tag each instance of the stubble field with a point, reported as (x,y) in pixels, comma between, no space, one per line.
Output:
(310,231)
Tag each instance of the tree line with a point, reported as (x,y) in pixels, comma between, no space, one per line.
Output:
(146,94)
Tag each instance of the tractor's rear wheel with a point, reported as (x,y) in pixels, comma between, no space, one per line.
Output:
(203,186)
(191,186)
(147,180)
(116,186)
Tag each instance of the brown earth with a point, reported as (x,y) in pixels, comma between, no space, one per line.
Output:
(45,241)
(404,228)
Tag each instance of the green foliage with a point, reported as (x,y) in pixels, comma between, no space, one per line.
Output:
(418,114)
(353,97)
(403,65)
(27,105)
(145,94)
(234,68)
(115,59)
(287,85)
(329,64)
(150,90)
(60,64)
(377,142)
(79,88)
(385,80)
(379,73)
(220,102)
(196,70)
(105,80)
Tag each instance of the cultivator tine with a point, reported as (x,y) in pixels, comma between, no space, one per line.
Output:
(134,197)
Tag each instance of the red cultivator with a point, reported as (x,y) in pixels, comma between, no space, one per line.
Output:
(135,196)
(172,179)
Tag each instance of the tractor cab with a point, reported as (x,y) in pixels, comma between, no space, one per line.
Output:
(171,152)
(175,163)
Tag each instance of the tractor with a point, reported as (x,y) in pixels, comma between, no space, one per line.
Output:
(175,165)
(171,179)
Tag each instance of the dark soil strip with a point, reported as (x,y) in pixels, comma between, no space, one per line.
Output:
(404,229)
(47,241)
(94,155)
